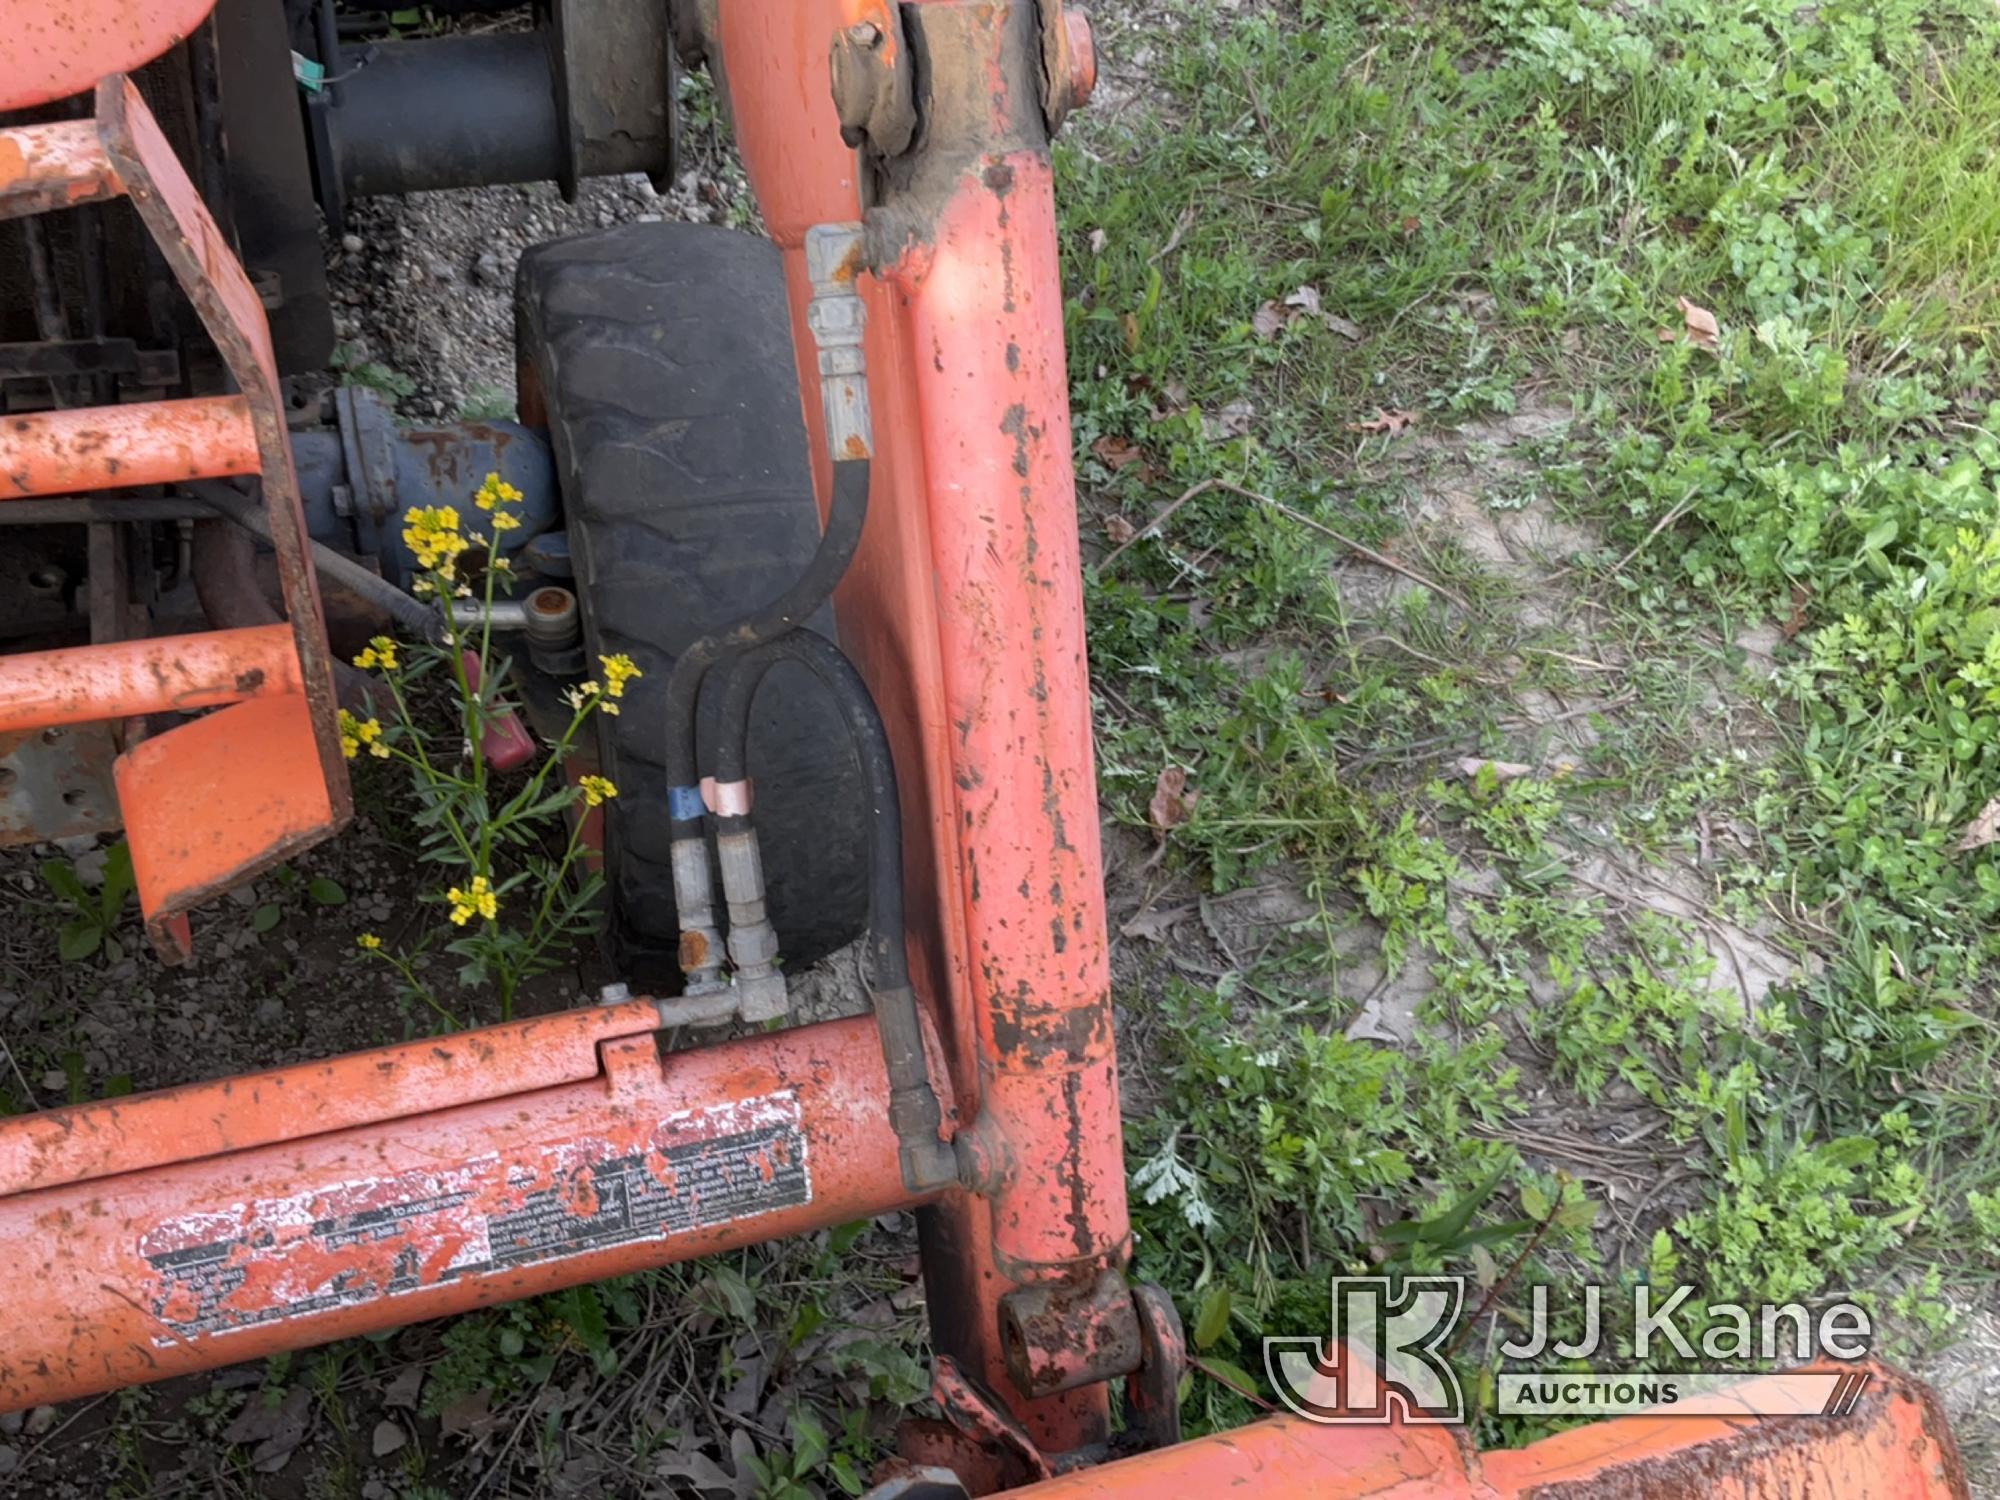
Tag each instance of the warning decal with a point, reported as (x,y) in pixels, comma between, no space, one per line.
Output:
(359,1240)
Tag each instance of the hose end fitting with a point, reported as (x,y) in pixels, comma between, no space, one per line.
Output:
(835,257)
(701,944)
(761,992)
(928,1162)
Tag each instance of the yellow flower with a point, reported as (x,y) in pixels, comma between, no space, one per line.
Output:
(478,901)
(618,670)
(381,653)
(502,521)
(431,531)
(496,491)
(356,732)
(596,790)
(369,941)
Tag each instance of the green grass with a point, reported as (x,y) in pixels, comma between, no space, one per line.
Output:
(1504,203)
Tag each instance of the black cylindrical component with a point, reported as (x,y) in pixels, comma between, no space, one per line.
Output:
(888,963)
(554,628)
(914,1112)
(452,112)
(808,592)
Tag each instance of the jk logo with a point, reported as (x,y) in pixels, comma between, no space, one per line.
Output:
(1384,1358)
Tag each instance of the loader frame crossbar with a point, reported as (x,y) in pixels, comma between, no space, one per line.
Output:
(223,1221)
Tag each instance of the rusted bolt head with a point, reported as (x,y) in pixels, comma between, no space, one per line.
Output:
(864,34)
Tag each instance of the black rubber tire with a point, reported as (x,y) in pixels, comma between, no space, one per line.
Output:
(661,355)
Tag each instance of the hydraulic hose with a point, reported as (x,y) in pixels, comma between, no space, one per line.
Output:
(914,1112)
(701,946)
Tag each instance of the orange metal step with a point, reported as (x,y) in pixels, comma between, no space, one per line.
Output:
(57,165)
(217,802)
(106,447)
(162,674)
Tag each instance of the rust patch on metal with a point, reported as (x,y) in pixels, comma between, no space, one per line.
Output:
(1060,1336)
(693,950)
(1047,1035)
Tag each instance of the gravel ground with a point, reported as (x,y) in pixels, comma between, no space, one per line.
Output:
(423,286)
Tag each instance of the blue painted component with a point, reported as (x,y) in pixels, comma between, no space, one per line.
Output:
(359,481)
(684,803)
(548,554)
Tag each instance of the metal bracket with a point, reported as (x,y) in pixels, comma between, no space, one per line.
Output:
(872,89)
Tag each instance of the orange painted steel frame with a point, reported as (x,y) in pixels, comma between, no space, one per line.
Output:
(1894,1446)
(225,1221)
(209,804)
(964,610)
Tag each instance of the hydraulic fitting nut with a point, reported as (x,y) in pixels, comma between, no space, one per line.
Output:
(762,997)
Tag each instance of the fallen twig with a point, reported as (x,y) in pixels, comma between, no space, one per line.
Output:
(1157,522)
(1679,510)
(1359,549)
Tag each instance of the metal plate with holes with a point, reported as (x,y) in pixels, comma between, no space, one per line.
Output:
(56,783)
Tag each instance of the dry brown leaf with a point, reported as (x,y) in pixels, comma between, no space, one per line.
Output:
(1131,326)
(1234,419)
(388,1437)
(1982,830)
(1702,329)
(1796,622)
(1270,321)
(1117,453)
(405,1388)
(1665,335)
(1346,328)
(1411,224)
(468,1415)
(1098,240)
(277,1430)
(1155,922)
(1172,802)
(1503,770)
(1389,423)
(1305,299)
(1119,530)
